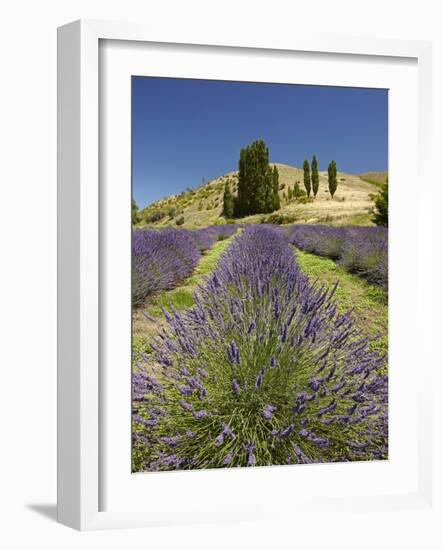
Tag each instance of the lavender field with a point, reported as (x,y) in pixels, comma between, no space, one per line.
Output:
(259,345)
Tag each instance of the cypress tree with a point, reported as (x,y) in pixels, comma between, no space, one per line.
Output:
(290,194)
(269,191)
(307,177)
(261,183)
(241,202)
(314,176)
(255,181)
(332,178)
(228,202)
(275,186)
(296,190)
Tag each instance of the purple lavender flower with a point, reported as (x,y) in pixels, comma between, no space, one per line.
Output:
(187,406)
(236,387)
(268,411)
(250,449)
(273,363)
(185,390)
(315,384)
(201,414)
(234,353)
(227,460)
(287,431)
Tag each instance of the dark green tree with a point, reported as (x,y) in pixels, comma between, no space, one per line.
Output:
(275,186)
(296,190)
(314,176)
(241,202)
(255,181)
(332,177)
(228,202)
(135,215)
(307,177)
(290,193)
(381,206)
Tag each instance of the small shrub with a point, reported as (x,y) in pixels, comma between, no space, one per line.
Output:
(180,220)
(154,216)
(279,219)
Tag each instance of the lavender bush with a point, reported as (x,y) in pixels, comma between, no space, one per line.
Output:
(263,370)
(160,259)
(207,236)
(361,250)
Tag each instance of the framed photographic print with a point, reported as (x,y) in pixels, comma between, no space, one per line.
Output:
(236,246)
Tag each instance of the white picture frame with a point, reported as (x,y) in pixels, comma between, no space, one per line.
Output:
(81,412)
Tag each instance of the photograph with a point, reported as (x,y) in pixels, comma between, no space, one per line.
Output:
(259,274)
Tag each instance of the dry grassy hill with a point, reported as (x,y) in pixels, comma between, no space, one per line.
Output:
(352,204)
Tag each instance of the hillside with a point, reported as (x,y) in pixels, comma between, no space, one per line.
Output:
(376,178)
(352,203)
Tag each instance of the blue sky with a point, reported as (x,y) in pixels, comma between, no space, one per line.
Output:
(186,130)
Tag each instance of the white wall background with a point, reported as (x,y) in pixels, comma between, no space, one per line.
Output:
(28,250)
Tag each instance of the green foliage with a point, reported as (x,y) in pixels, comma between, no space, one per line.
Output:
(304,199)
(257,182)
(307,177)
(172,212)
(381,207)
(228,202)
(279,219)
(332,177)
(275,187)
(135,214)
(314,176)
(154,216)
(180,220)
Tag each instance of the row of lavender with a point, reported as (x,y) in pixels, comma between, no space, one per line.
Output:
(361,250)
(161,259)
(263,370)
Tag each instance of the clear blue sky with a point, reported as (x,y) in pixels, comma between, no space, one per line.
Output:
(186,130)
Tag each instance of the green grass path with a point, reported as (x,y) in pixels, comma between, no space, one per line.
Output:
(369,302)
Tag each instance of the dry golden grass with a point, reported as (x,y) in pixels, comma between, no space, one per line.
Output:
(352,203)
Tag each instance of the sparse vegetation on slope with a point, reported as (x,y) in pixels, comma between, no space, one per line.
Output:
(353,202)
(375,178)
